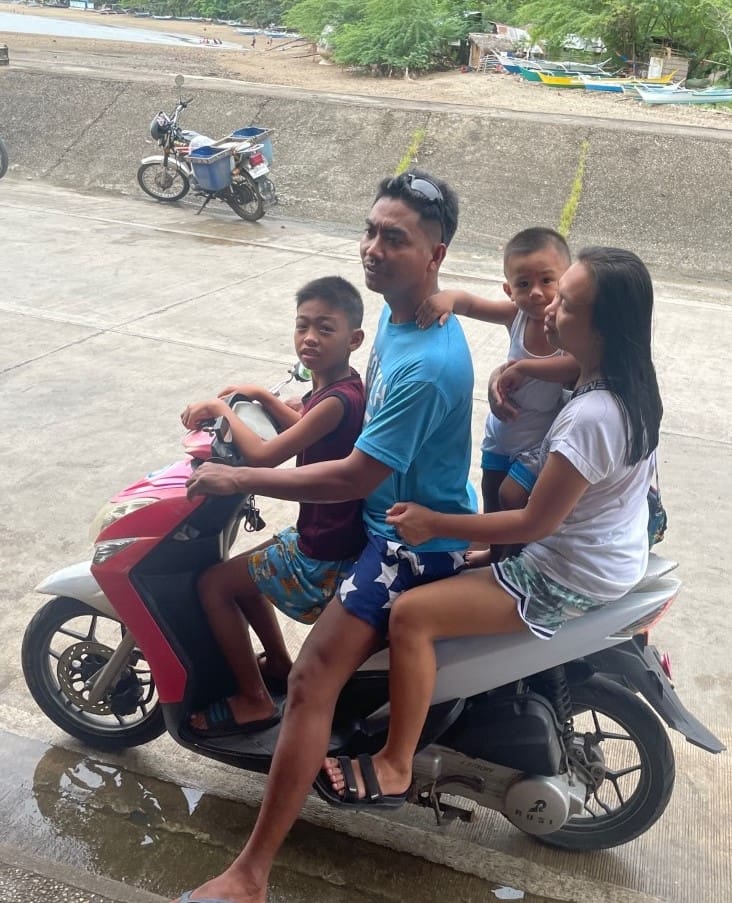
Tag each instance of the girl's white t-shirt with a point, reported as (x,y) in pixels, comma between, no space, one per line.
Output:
(601,549)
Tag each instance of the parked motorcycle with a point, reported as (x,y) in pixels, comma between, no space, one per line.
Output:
(3,158)
(551,734)
(234,169)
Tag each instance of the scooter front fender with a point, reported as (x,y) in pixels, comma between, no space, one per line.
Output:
(77,582)
(172,161)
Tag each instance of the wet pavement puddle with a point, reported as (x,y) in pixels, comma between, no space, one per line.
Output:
(74,807)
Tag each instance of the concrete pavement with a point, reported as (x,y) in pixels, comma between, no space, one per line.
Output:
(116,312)
(32,879)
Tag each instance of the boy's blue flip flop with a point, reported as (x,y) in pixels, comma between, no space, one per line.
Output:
(350,799)
(221,722)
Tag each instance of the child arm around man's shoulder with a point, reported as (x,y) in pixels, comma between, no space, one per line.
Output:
(440,305)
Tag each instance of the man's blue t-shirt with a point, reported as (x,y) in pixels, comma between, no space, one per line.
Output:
(419,400)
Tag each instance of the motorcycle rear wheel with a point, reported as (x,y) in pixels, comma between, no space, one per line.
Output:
(3,158)
(64,645)
(244,198)
(164,183)
(633,749)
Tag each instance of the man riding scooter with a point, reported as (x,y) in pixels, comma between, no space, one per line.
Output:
(416,443)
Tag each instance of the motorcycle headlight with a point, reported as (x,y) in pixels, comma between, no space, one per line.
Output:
(113,511)
(103,551)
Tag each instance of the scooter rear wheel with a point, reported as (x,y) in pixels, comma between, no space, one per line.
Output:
(64,646)
(627,747)
(244,198)
(164,183)
(3,158)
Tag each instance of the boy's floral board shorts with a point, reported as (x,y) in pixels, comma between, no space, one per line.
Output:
(298,586)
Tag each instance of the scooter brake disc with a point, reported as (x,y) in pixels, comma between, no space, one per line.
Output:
(76,667)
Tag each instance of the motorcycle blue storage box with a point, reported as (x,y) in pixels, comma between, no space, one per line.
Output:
(211,167)
(259,136)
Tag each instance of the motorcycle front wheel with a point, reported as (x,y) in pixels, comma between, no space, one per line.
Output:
(164,183)
(244,198)
(620,738)
(66,643)
(3,158)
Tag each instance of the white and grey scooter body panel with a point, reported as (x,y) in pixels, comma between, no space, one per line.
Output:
(470,665)
(77,582)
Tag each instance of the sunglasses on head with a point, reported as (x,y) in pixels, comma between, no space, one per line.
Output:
(428,190)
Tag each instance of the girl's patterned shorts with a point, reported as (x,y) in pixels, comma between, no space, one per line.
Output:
(543,604)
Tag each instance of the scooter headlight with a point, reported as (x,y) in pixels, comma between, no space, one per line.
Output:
(103,551)
(113,511)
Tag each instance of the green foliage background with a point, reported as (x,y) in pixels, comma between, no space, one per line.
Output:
(417,35)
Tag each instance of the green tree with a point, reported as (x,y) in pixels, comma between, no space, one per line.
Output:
(718,13)
(628,27)
(407,35)
(312,17)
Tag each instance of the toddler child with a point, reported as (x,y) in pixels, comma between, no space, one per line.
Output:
(533,261)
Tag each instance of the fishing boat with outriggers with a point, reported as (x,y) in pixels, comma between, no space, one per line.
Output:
(679,94)
(620,85)
(605,83)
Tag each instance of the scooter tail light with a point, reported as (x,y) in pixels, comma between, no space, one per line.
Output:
(666,665)
(256,159)
(645,624)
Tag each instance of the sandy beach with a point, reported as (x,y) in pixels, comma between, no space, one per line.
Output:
(296,64)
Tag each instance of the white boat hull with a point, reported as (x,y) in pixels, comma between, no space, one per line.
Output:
(684,95)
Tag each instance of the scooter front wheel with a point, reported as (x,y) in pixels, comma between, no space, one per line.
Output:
(3,158)
(64,647)
(244,198)
(164,183)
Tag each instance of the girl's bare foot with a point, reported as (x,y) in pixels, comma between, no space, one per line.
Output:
(478,558)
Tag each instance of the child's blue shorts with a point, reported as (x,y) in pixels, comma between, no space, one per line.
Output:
(384,570)
(522,469)
(299,586)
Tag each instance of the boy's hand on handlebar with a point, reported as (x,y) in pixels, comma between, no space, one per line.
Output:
(213,479)
(412,522)
(200,411)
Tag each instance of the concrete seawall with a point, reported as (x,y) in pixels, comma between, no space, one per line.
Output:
(665,191)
